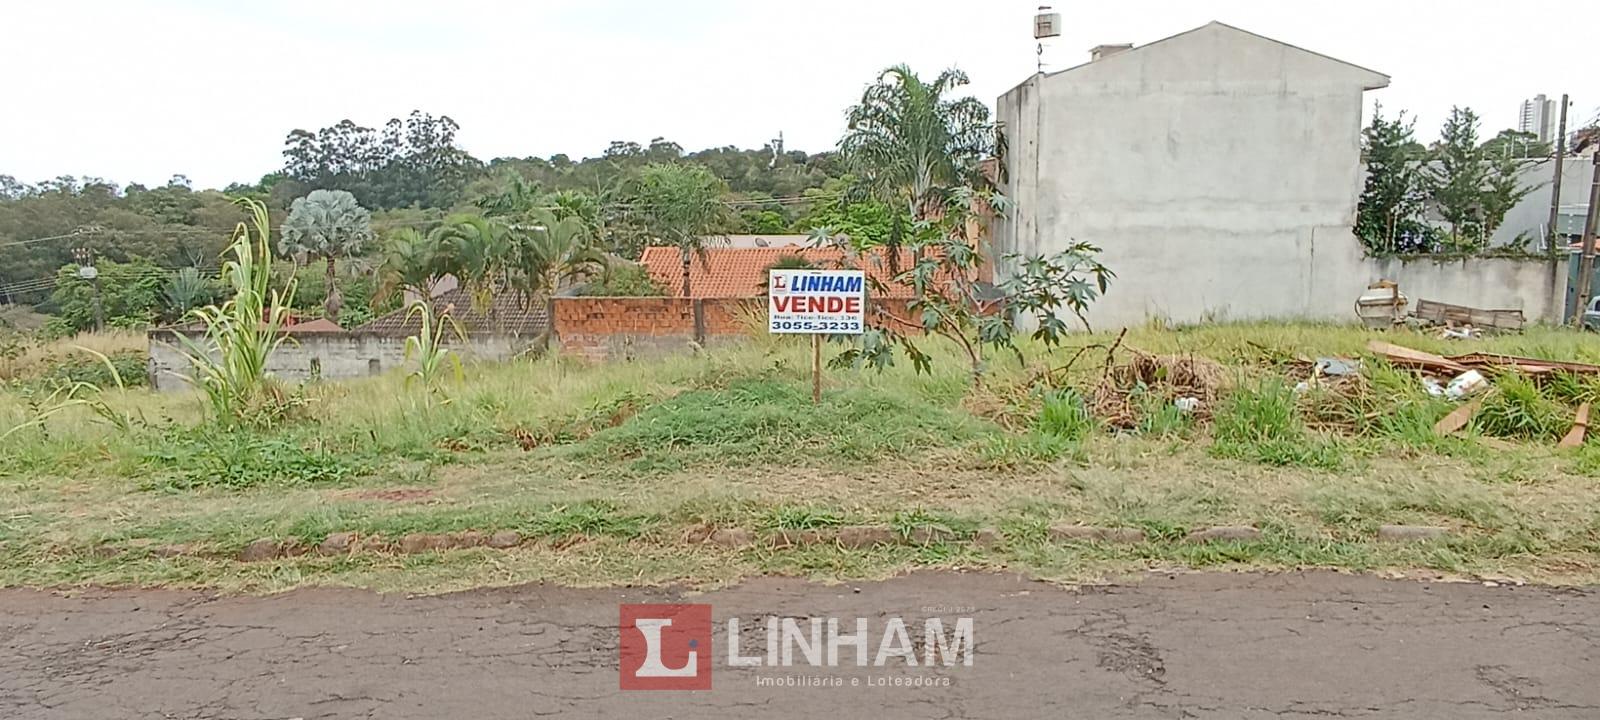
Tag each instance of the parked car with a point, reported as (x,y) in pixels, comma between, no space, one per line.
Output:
(1591,316)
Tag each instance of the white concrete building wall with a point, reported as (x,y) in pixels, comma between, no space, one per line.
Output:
(1218,169)
(1530,216)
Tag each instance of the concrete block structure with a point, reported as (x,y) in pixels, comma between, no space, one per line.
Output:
(1219,170)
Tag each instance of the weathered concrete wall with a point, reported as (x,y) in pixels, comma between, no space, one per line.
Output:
(1210,167)
(330,356)
(1536,287)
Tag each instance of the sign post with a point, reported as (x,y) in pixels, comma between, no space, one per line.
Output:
(816,302)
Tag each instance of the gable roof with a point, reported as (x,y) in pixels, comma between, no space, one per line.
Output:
(319,325)
(1373,81)
(507,315)
(742,272)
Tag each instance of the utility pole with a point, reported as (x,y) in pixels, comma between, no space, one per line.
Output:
(87,271)
(1586,262)
(1555,185)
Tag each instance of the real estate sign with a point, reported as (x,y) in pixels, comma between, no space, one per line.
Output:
(825,302)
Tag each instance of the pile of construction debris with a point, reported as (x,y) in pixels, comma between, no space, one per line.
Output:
(1384,306)
(1467,377)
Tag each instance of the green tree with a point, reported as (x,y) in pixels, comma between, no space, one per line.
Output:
(548,254)
(414,161)
(475,250)
(1390,215)
(954,302)
(911,142)
(410,263)
(1516,144)
(623,279)
(1457,178)
(866,220)
(130,294)
(1502,190)
(330,225)
(682,205)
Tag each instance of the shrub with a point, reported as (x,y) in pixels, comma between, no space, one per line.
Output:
(239,459)
(128,366)
(623,280)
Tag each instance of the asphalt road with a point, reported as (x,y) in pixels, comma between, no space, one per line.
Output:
(1312,645)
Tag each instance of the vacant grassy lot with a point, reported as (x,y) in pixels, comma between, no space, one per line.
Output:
(607,467)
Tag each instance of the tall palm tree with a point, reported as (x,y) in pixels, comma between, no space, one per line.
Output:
(910,142)
(329,224)
(682,204)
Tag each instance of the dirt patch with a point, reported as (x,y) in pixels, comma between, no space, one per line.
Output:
(389,494)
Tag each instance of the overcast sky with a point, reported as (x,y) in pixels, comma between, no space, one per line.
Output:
(138,91)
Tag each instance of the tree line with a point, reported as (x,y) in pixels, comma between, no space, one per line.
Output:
(1448,197)
(411,174)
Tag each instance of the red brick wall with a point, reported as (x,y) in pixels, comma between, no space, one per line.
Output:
(612,327)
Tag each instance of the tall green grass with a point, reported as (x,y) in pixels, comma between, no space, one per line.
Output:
(230,364)
(1259,422)
(1515,407)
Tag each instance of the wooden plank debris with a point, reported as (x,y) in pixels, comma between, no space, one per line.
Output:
(1454,315)
(1406,357)
(1531,366)
(1580,426)
(1458,418)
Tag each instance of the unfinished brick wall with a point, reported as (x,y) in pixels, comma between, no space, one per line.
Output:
(620,328)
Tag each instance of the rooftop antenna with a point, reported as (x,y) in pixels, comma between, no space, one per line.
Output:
(1046,24)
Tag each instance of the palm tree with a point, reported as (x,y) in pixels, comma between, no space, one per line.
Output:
(473,248)
(583,206)
(681,204)
(910,142)
(329,224)
(410,263)
(548,254)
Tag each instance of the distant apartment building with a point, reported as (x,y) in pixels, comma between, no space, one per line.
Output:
(1538,116)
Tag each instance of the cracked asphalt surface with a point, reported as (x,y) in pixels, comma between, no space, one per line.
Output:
(1293,645)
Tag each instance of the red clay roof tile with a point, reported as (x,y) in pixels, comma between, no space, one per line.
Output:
(742,272)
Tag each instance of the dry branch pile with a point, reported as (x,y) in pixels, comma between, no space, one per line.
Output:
(1159,377)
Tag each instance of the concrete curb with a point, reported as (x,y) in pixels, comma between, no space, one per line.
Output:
(1117,535)
(1411,533)
(1213,534)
